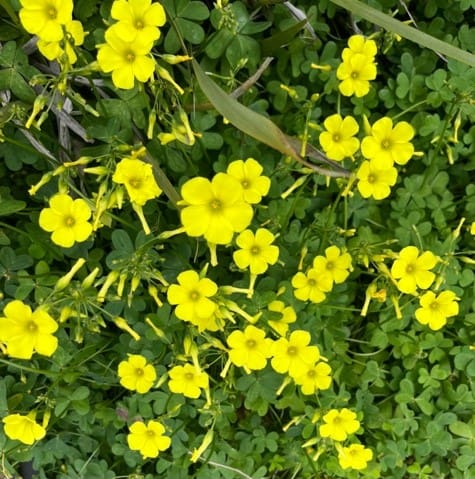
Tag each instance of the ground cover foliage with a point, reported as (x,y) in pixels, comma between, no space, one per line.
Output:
(188,288)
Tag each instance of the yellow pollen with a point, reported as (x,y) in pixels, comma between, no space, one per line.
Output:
(69,221)
(189,376)
(32,327)
(255,250)
(354,75)
(312,282)
(337,420)
(52,13)
(245,184)
(336,137)
(130,56)
(292,351)
(410,269)
(386,144)
(139,372)
(372,178)
(330,265)
(194,295)
(251,343)
(311,373)
(215,204)
(150,433)
(139,24)
(434,306)
(135,183)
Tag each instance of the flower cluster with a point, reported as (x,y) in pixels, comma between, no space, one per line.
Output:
(129,41)
(52,22)
(333,268)
(358,67)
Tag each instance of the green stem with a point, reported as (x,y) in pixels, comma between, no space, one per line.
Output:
(410,33)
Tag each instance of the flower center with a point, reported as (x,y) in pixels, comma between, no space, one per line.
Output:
(251,343)
(330,265)
(434,306)
(69,221)
(336,137)
(354,75)
(372,178)
(32,327)
(255,250)
(386,144)
(215,205)
(150,433)
(245,184)
(312,282)
(194,295)
(292,351)
(189,376)
(410,269)
(135,183)
(337,420)
(129,56)
(139,24)
(311,373)
(51,12)
(139,372)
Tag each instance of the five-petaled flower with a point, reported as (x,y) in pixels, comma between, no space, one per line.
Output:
(23,428)
(191,295)
(338,141)
(137,176)
(148,438)
(249,174)
(293,355)
(314,377)
(137,374)
(249,348)
(375,179)
(339,424)
(138,19)
(355,456)
(25,332)
(67,219)
(434,310)
(312,286)
(387,144)
(214,209)
(127,60)
(46,18)
(335,264)
(355,75)
(412,270)
(257,251)
(188,380)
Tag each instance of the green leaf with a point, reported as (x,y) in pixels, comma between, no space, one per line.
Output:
(8,207)
(461,429)
(276,41)
(399,28)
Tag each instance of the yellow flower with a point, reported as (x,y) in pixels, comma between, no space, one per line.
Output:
(249,174)
(137,176)
(137,374)
(67,220)
(191,295)
(312,286)
(46,18)
(338,140)
(355,456)
(249,348)
(126,60)
(25,332)
(412,269)
(187,380)
(214,209)
(138,19)
(472,228)
(355,75)
(148,439)
(55,50)
(314,377)
(375,179)
(388,145)
(339,424)
(335,264)
(256,251)
(286,315)
(361,45)
(435,310)
(23,428)
(293,355)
